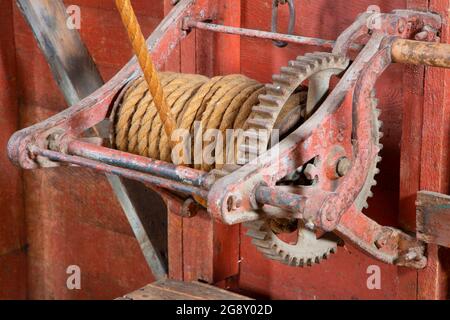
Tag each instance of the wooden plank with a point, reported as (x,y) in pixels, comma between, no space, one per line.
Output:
(70,61)
(174,222)
(13,240)
(433,281)
(198,289)
(77,76)
(433,218)
(178,290)
(211,249)
(411,144)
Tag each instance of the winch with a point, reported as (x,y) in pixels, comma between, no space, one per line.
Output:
(295,156)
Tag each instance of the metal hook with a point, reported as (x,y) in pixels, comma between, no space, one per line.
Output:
(292,15)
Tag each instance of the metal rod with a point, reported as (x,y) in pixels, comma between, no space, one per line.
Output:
(251,33)
(126,160)
(281,199)
(126,173)
(258,34)
(421,53)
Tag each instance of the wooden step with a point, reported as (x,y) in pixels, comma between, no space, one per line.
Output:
(178,290)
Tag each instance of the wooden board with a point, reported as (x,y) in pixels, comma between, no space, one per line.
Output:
(433,218)
(200,248)
(13,259)
(435,166)
(178,290)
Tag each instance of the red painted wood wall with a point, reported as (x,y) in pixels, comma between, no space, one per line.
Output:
(13,269)
(70,216)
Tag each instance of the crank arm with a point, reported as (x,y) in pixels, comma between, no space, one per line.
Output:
(386,244)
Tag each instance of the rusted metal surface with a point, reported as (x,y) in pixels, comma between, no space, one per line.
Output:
(94,109)
(421,53)
(126,173)
(433,218)
(327,210)
(190,23)
(280,199)
(345,121)
(126,160)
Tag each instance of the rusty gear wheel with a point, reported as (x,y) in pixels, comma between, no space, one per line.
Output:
(307,251)
(318,69)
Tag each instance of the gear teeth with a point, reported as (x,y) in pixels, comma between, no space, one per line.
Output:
(303,65)
(366,192)
(254,225)
(307,61)
(256,234)
(254,135)
(268,111)
(259,123)
(290,71)
(264,246)
(264,116)
(299,66)
(283,79)
(274,89)
(270,100)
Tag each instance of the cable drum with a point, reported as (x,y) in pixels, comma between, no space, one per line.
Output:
(205,108)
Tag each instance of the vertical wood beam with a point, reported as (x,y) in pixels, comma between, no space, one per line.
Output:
(411,144)
(200,248)
(174,222)
(13,273)
(433,281)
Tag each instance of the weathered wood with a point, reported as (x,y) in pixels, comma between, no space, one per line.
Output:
(434,171)
(210,249)
(13,240)
(199,248)
(69,60)
(178,290)
(433,218)
(77,76)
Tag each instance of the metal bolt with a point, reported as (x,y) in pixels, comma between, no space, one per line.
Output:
(343,166)
(233,202)
(421,36)
(310,225)
(311,171)
(190,208)
(410,256)
(380,243)
(331,216)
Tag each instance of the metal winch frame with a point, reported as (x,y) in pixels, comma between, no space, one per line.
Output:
(252,192)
